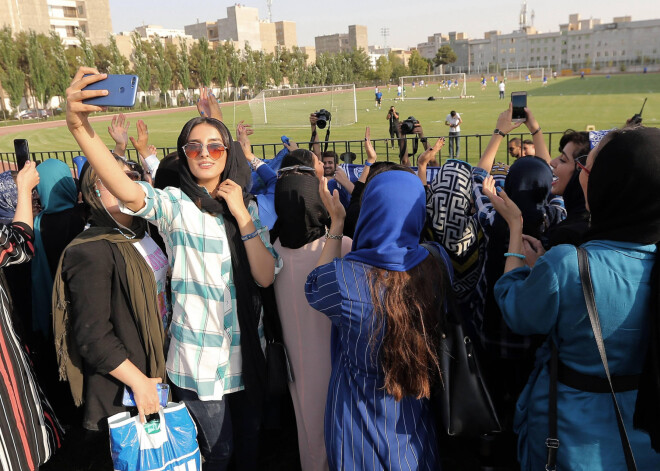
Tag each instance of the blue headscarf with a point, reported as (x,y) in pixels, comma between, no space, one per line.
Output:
(391,221)
(8,197)
(57,192)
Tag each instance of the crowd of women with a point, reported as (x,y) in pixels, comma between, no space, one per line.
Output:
(177,280)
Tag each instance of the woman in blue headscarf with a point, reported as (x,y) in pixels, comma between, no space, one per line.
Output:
(382,299)
(58,223)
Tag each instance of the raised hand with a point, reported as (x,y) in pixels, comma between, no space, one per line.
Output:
(141,144)
(504,123)
(27,178)
(502,203)
(118,131)
(332,203)
(208,105)
(77,112)
(369,147)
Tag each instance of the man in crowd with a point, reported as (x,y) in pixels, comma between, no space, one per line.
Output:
(453,120)
(379,97)
(515,148)
(501,86)
(337,178)
(528,147)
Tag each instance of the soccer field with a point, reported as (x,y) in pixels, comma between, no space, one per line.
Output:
(564,103)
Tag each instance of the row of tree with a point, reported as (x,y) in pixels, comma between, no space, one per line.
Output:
(40,66)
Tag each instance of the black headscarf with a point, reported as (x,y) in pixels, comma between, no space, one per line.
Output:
(572,229)
(624,205)
(248,296)
(301,215)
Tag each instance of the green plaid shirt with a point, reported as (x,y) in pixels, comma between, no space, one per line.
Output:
(205,348)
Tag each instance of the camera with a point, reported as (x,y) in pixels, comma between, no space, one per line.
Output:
(408,125)
(322,118)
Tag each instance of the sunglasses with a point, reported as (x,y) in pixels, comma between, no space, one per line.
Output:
(299,168)
(194,150)
(132,174)
(581,162)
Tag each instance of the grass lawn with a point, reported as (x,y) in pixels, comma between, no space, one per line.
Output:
(564,103)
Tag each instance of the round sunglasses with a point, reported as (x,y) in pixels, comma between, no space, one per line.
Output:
(194,149)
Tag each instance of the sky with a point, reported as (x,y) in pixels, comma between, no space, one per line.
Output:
(407,26)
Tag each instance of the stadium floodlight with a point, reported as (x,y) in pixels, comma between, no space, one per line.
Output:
(291,107)
(440,86)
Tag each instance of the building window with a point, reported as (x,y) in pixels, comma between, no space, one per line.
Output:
(70,12)
(81,11)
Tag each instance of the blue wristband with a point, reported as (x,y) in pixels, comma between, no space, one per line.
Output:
(368,164)
(252,235)
(517,255)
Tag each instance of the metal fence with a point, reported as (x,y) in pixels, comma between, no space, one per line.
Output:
(471,148)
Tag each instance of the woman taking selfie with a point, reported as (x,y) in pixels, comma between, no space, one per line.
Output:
(219,255)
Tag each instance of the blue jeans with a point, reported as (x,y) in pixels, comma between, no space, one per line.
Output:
(454,145)
(224,427)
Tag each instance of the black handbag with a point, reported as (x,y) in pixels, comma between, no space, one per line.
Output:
(576,380)
(461,399)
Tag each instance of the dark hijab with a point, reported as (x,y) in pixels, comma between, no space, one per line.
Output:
(301,215)
(624,205)
(248,296)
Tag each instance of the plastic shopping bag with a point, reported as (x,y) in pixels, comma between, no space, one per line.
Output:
(170,445)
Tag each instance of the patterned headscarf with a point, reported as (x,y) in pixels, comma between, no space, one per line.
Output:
(8,197)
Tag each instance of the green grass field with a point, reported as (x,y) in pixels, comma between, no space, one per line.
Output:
(564,103)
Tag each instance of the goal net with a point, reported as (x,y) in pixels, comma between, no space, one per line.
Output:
(421,87)
(535,74)
(291,107)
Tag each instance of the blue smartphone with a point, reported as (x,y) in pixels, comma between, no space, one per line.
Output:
(163,391)
(122,90)
(285,140)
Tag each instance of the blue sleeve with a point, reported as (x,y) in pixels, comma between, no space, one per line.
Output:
(322,291)
(529,298)
(269,177)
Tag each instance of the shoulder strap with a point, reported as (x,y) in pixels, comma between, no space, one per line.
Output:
(588,290)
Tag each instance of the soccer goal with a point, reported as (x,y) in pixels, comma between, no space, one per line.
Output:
(291,107)
(421,87)
(535,74)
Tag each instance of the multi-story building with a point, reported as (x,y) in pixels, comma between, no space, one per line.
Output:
(340,42)
(242,26)
(65,17)
(579,44)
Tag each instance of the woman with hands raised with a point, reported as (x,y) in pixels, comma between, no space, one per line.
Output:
(220,254)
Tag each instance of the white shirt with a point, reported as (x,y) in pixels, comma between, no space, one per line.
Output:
(453,121)
(501,86)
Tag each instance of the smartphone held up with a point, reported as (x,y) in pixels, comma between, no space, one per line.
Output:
(122,91)
(519,103)
(22,151)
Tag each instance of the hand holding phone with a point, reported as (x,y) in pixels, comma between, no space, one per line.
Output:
(519,103)
(163,392)
(22,151)
(122,90)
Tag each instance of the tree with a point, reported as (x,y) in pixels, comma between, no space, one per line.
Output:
(205,63)
(383,69)
(102,58)
(417,64)
(39,76)
(445,55)
(249,67)
(11,76)
(163,68)
(399,69)
(183,67)
(87,58)
(235,70)
(60,77)
(275,68)
(263,75)
(360,63)
(118,63)
(141,66)
(221,67)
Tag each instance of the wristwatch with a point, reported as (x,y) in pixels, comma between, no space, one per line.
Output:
(497,131)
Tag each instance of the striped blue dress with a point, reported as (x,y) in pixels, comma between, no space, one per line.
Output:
(365,428)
